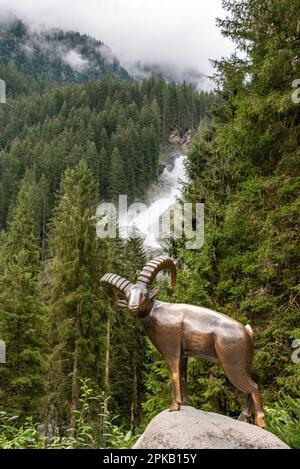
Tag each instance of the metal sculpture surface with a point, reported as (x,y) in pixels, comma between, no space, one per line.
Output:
(180,330)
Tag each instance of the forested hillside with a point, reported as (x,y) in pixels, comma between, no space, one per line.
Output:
(72,354)
(116,126)
(56,55)
(63,150)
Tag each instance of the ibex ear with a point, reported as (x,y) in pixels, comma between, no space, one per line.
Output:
(122,303)
(153,293)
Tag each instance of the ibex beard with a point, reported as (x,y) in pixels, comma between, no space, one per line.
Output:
(179,331)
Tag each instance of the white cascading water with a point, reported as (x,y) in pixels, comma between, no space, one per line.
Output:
(168,190)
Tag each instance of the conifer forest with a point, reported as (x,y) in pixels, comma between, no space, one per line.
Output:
(80,372)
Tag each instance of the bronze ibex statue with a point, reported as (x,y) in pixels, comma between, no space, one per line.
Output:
(180,330)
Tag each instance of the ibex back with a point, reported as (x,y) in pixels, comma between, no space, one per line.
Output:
(180,330)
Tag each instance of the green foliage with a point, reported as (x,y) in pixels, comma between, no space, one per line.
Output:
(283,419)
(18,84)
(22,312)
(158,384)
(14,435)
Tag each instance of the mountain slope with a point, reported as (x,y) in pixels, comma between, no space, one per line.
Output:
(56,55)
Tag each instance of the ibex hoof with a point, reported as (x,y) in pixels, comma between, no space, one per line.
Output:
(174,406)
(260,422)
(185,398)
(243,417)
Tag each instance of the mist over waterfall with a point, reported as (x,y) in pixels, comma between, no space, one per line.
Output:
(168,191)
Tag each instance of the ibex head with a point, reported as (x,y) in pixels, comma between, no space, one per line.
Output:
(138,297)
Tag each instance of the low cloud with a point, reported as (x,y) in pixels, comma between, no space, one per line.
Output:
(54,50)
(170,72)
(178,35)
(75,60)
(107,53)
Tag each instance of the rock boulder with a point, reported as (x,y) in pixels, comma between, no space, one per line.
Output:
(192,428)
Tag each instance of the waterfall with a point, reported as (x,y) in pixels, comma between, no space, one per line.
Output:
(168,191)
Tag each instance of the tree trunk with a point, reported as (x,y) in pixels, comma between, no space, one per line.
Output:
(107,354)
(44,230)
(134,392)
(74,385)
(106,375)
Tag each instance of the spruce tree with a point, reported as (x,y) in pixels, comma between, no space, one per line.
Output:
(75,305)
(116,175)
(22,313)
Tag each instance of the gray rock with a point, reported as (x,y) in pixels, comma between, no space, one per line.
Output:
(195,429)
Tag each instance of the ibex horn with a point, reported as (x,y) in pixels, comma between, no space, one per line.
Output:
(114,282)
(151,269)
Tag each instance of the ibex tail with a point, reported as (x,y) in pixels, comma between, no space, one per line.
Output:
(250,331)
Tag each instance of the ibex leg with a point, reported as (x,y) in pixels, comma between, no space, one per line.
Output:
(259,413)
(245,383)
(174,365)
(247,410)
(184,392)
(235,362)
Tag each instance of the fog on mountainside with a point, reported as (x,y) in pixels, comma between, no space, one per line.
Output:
(61,56)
